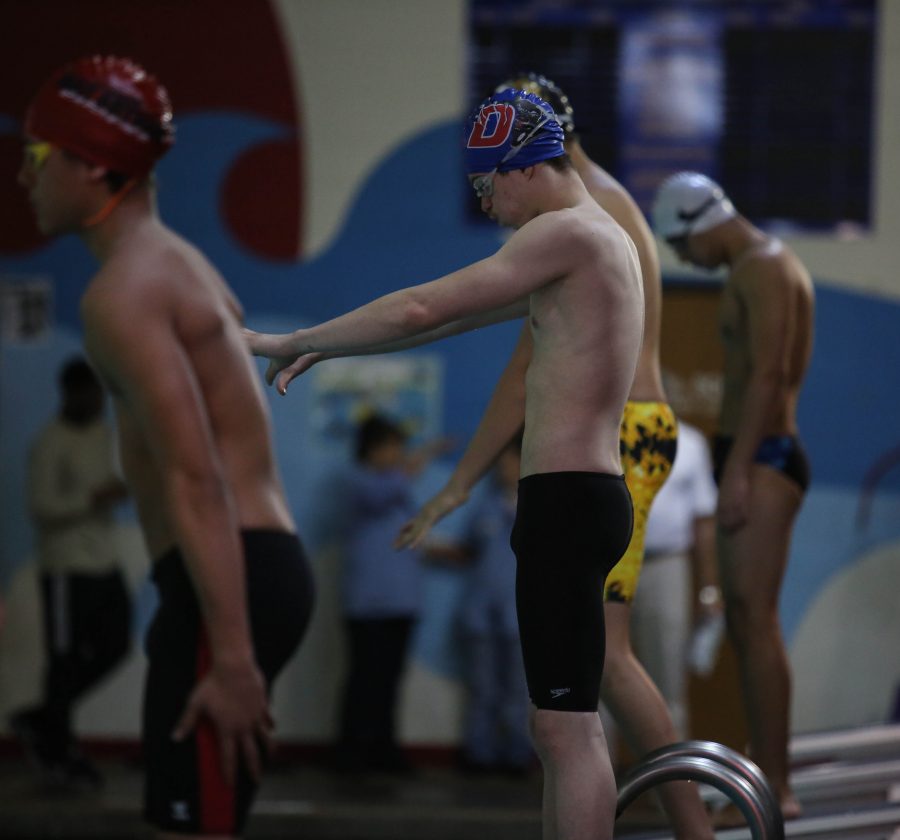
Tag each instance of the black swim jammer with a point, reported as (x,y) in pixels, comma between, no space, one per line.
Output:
(571,528)
(185,791)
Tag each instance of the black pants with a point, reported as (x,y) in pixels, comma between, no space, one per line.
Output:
(87,624)
(377,651)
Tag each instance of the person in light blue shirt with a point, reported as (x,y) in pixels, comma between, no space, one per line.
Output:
(382,592)
(496,726)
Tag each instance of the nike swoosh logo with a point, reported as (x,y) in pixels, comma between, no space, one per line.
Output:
(693,215)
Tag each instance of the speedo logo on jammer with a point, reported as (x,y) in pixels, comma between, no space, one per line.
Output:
(556,693)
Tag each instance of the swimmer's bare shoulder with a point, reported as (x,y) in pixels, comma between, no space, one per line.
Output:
(606,238)
(592,255)
(767,308)
(120,308)
(131,307)
(768,275)
(555,243)
(160,277)
(585,225)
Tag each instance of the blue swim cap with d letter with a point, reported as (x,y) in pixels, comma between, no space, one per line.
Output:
(510,130)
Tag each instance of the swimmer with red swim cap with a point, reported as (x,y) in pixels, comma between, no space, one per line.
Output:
(105,111)
(162,329)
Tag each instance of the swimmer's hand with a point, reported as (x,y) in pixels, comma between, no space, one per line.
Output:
(734,499)
(285,363)
(233,698)
(414,531)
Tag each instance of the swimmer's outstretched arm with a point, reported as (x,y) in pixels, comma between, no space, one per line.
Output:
(283,369)
(541,251)
(519,309)
(502,420)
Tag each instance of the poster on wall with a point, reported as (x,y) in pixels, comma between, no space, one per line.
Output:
(26,309)
(407,388)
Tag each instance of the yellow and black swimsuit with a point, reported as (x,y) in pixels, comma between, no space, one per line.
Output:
(648,440)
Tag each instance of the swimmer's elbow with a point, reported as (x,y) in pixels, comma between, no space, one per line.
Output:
(416,317)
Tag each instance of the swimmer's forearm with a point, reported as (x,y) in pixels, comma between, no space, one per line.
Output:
(458,327)
(396,346)
(393,318)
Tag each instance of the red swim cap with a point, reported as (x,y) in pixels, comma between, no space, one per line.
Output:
(106,110)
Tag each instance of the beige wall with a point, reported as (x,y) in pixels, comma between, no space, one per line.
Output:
(369,74)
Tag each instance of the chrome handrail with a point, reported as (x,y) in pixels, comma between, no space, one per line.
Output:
(674,768)
(737,762)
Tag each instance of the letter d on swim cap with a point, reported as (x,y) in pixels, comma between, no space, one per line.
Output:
(511,129)
(689,202)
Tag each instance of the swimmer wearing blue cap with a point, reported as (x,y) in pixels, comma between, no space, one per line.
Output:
(510,130)
(573,274)
(648,442)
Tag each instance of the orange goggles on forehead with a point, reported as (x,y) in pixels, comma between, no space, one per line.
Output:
(36,154)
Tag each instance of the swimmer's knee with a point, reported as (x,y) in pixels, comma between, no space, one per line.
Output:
(556,734)
(737,620)
(749,624)
(547,727)
(744,610)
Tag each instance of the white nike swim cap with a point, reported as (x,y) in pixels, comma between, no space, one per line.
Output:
(689,202)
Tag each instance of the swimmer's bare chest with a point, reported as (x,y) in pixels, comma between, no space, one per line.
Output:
(566,380)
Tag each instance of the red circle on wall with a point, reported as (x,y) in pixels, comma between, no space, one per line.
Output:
(261,200)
